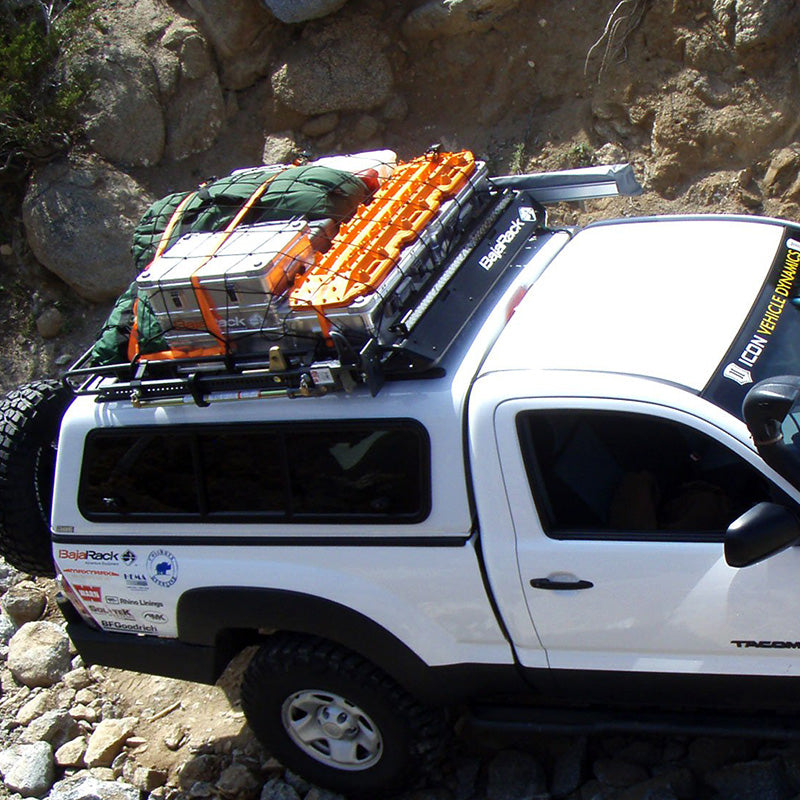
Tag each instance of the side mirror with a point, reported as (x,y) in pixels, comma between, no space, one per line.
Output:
(759,533)
(764,409)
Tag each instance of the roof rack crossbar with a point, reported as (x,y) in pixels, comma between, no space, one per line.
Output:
(575,184)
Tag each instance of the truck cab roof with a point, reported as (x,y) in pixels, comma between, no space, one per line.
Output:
(659,298)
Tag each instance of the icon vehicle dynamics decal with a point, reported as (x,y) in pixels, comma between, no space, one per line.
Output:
(760,351)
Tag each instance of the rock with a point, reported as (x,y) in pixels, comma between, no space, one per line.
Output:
(203,767)
(80,711)
(238,783)
(365,128)
(78,678)
(94,259)
(610,153)
(122,115)
(85,696)
(28,768)
(38,654)
(71,753)
(192,49)
(338,68)
(276,789)
(279,149)
(107,741)
(674,783)
(242,35)
(147,779)
(8,576)
(291,11)
(569,768)
(761,24)
(395,109)
(7,628)
(782,170)
(194,117)
(435,19)
(34,708)
(84,786)
(753,780)
(615,772)
(515,776)
(24,602)
(55,726)
(49,324)
(707,754)
(319,126)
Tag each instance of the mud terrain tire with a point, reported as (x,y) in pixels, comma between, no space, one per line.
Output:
(29,421)
(297,689)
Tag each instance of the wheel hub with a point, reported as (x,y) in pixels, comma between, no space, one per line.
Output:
(332,730)
(336,722)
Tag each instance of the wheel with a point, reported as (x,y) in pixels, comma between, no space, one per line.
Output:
(29,421)
(336,719)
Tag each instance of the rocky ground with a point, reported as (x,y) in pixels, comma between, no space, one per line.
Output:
(68,732)
(701,96)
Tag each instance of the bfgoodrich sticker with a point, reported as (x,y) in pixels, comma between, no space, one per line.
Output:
(162,568)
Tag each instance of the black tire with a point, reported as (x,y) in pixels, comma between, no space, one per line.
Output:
(29,421)
(389,740)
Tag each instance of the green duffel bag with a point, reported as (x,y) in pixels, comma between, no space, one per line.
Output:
(310,191)
(111,346)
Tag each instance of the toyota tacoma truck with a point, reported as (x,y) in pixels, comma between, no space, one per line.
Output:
(547,474)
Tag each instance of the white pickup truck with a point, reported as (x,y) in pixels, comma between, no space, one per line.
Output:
(539,503)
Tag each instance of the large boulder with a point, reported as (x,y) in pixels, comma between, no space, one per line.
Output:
(242,35)
(84,786)
(122,113)
(435,18)
(79,215)
(38,654)
(336,67)
(194,116)
(290,11)
(763,24)
(28,768)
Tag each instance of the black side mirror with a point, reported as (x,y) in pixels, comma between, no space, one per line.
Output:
(764,409)
(759,533)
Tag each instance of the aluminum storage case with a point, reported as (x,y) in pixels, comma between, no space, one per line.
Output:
(212,286)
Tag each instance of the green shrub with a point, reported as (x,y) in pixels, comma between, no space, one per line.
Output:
(37,119)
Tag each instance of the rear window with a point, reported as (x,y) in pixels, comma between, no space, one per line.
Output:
(332,472)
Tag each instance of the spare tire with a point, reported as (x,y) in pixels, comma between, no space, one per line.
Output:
(30,418)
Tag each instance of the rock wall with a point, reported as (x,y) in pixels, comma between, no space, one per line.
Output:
(700,95)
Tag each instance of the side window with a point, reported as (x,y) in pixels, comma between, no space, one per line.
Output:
(328,472)
(357,472)
(597,474)
(139,473)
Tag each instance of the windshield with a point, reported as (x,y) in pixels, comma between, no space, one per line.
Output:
(769,342)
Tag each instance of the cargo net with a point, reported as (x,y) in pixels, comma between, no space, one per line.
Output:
(302,257)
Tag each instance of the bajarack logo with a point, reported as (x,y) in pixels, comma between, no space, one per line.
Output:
(89,555)
(501,244)
(766,645)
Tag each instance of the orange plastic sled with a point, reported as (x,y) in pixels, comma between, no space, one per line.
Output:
(369,245)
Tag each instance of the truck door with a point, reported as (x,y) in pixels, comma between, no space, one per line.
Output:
(619,513)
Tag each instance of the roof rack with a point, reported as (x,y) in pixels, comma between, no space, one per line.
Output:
(411,320)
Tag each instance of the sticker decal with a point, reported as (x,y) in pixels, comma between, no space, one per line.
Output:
(92,594)
(136,581)
(162,568)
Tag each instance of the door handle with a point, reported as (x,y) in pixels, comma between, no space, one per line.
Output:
(547,583)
